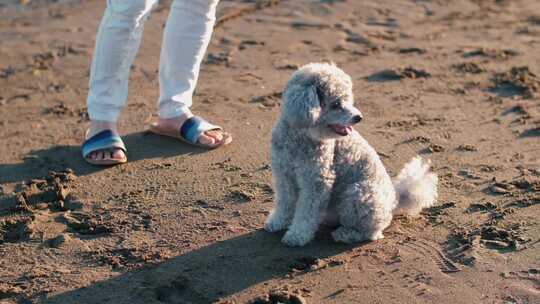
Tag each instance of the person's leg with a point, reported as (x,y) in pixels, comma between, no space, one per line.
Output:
(117,42)
(186,38)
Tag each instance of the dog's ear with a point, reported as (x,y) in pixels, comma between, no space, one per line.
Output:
(320,95)
(301,104)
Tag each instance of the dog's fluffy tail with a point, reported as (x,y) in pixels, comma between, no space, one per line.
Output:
(416,187)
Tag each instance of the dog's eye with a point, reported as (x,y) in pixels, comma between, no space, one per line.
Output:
(336,105)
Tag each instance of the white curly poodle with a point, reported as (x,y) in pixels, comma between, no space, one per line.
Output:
(320,163)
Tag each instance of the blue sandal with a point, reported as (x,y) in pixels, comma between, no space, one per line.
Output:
(103,141)
(191,130)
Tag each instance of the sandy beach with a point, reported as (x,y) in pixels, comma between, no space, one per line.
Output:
(457,82)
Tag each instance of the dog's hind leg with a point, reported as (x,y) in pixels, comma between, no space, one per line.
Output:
(363,214)
(286,195)
(351,235)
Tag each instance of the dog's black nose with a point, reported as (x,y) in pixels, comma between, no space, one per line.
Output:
(356,119)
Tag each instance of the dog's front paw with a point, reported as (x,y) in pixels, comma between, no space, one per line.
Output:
(377,236)
(295,238)
(275,223)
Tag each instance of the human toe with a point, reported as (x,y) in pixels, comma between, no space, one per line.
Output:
(207,140)
(217,135)
(118,154)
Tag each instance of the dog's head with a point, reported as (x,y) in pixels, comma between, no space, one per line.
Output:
(318,98)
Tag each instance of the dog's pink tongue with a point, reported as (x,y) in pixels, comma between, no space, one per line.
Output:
(342,130)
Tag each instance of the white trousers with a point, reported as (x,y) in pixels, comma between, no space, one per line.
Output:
(186,37)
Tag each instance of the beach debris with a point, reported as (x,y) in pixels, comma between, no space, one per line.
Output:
(434,148)
(279,297)
(399,73)
(481,206)
(520,79)
(467,148)
(268,100)
(411,50)
(469,67)
(16,229)
(492,53)
(222,58)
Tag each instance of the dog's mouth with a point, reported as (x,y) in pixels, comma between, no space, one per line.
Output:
(342,130)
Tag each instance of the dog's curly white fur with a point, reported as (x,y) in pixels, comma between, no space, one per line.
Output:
(319,164)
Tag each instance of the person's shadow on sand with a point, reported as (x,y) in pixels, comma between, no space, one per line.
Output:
(204,275)
(140,145)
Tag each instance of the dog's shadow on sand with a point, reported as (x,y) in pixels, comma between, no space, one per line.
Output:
(140,145)
(206,274)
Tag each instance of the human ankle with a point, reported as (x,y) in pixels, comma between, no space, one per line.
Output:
(174,121)
(97,126)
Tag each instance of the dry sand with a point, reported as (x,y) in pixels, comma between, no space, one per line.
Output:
(452,80)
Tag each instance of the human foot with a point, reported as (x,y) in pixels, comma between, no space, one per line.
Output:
(193,130)
(111,155)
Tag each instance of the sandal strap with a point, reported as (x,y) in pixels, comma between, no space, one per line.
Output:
(193,127)
(103,140)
